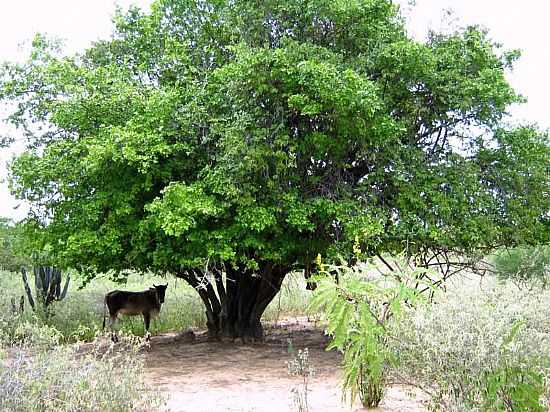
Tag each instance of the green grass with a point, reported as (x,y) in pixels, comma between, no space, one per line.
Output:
(80,315)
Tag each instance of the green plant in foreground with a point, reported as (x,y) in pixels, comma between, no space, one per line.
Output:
(512,387)
(360,309)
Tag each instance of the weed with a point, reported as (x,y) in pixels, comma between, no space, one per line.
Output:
(487,349)
(300,366)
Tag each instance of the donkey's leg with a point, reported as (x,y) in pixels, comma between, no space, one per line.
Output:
(112,320)
(147,320)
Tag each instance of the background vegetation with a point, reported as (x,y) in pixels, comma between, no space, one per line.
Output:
(524,265)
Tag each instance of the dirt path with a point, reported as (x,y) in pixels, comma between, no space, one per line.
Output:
(214,376)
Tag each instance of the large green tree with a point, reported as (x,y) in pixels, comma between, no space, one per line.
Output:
(231,142)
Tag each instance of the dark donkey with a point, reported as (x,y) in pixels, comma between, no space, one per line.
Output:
(146,303)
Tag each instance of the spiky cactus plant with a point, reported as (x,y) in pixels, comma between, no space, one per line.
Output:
(47,282)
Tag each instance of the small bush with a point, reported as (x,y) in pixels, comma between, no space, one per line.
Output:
(480,349)
(65,380)
(33,334)
(361,307)
(27,330)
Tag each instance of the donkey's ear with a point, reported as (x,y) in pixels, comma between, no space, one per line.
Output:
(155,286)
(166,285)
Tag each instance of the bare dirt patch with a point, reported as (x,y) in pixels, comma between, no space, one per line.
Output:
(215,376)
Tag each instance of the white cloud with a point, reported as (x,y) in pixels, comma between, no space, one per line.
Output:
(516,25)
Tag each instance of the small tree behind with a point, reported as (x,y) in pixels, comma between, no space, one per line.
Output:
(11,255)
(524,264)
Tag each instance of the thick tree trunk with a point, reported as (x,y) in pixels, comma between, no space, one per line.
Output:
(234,310)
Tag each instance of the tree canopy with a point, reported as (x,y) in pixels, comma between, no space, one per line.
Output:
(247,137)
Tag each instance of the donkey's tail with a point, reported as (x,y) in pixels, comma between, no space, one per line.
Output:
(104,311)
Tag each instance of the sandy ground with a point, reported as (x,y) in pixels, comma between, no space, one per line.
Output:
(215,376)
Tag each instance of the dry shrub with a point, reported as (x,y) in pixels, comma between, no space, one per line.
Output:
(480,349)
(66,379)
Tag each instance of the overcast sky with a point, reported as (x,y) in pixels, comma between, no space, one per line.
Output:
(521,25)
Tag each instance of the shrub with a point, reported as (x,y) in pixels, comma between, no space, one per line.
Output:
(524,264)
(65,380)
(479,349)
(27,330)
(361,309)
(11,255)
(33,334)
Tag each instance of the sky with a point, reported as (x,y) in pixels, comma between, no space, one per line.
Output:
(517,25)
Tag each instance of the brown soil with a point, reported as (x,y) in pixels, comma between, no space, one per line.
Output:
(215,376)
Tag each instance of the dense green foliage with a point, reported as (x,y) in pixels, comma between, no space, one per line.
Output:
(250,136)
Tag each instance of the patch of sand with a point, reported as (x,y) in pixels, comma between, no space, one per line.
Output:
(221,377)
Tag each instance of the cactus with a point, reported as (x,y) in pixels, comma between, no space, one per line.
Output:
(47,282)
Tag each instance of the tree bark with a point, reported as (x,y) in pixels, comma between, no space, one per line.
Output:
(234,310)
